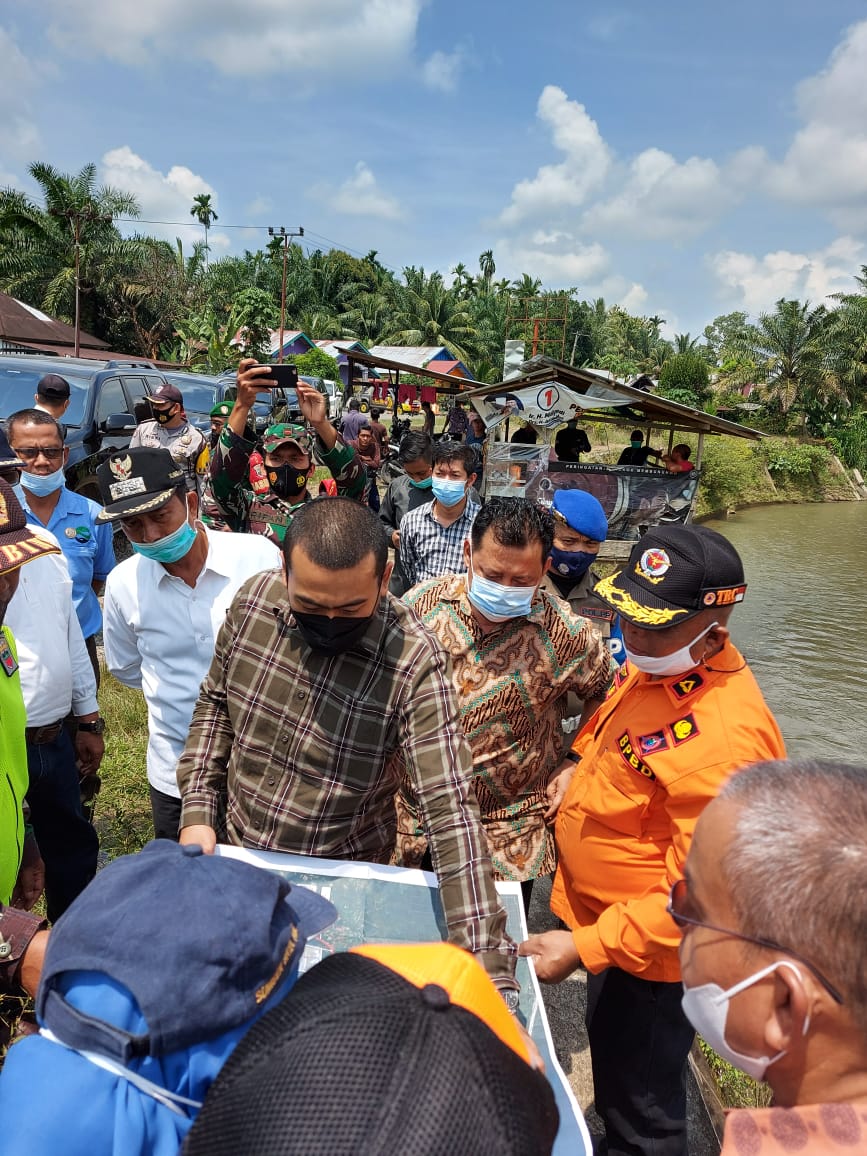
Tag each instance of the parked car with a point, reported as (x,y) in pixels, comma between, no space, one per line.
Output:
(201,393)
(283,405)
(100,417)
(333,393)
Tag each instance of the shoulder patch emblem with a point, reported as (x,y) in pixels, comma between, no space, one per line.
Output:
(687,685)
(684,729)
(631,759)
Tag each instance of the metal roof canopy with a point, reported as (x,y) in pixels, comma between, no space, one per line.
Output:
(654,409)
(451,384)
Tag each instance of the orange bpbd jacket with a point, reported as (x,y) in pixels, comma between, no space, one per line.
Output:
(654,755)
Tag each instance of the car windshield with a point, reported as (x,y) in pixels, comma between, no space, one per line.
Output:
(18,388)
(200,396)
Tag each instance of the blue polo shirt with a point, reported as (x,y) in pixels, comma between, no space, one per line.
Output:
(88,547)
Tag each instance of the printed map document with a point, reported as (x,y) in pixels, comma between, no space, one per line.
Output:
(380,904)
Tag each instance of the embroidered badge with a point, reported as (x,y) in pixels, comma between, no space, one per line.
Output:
(126,488)
(631,758)
(687,685)
(649,744)
(684,729)
(629,608)
(121,467)
(7,658)
(653,565)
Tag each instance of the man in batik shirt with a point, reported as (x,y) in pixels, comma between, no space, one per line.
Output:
(516,653)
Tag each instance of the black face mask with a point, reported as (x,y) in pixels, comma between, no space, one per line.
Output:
(331,635)
(287,481)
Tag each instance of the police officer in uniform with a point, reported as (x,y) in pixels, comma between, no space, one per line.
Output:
(171,430)
(580,528)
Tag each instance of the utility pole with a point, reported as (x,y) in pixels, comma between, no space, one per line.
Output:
(77,217)
(285,235)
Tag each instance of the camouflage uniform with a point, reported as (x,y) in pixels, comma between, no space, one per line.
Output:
(233,480)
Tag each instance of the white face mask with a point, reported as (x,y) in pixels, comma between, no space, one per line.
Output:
(707,1008)
(668,665)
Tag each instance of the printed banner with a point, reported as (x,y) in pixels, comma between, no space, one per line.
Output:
(633,497)
(547,405)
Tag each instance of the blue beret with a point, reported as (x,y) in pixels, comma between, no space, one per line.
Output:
(582,512)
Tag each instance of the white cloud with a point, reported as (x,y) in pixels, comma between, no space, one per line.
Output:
(245,38)
(258,206)
(826,163)
(19,137)
(442,70)
(582,171)
(561,264)
(161,196)
(360,195)
(661,199)
(756,283)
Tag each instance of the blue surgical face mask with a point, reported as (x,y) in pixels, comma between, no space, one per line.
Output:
(424,484)
(498,603)
(448,491)
(41,485)
(571,563)
(171,548)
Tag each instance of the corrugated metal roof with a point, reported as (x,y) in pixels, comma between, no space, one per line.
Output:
(27,326)
(410,354)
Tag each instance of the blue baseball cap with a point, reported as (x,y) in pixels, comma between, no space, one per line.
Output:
(581,512)
(199,941)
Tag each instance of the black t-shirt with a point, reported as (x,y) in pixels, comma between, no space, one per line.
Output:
(634,456)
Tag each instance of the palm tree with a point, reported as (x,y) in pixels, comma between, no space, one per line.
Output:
(204,212)
(58,254)
(788,347)
(683,343)
(427,313)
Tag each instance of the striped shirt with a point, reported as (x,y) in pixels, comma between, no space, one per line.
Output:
(304,752)
(429,549)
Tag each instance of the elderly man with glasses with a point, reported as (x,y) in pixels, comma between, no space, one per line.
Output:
(685,713)
(773,911)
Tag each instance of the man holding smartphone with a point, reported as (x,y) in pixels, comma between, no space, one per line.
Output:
(259,492)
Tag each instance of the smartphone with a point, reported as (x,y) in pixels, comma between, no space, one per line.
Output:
(285,376)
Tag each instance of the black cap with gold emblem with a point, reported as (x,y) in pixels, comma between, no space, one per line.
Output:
(136,481)
(673,573)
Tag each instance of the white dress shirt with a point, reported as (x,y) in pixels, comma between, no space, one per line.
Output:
(54,664)
(159,636)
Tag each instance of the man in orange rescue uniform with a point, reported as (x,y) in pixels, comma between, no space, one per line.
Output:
(685,712)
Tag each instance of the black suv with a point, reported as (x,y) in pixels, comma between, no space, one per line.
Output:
(100,414)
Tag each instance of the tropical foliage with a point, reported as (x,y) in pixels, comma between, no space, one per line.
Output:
(800,367)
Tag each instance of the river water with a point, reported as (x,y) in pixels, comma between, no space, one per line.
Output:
(803,623)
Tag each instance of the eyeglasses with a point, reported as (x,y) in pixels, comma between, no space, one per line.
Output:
(678,905)
(31,453)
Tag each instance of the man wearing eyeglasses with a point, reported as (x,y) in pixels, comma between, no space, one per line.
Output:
(684,714)
(773,912)
(87,545)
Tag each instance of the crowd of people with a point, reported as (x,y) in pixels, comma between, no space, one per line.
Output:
(435,681)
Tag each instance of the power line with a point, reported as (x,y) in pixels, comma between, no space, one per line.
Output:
(261,228)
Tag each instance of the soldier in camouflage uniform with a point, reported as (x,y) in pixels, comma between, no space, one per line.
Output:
(259,492)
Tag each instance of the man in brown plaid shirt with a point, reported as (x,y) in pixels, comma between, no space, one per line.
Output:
(324,690)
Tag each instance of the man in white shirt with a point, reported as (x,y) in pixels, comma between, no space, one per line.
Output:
(56,676)
(164,606)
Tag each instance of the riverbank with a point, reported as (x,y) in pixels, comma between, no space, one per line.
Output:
(737,474)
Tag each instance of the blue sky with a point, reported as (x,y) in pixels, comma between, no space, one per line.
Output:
(684,159)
